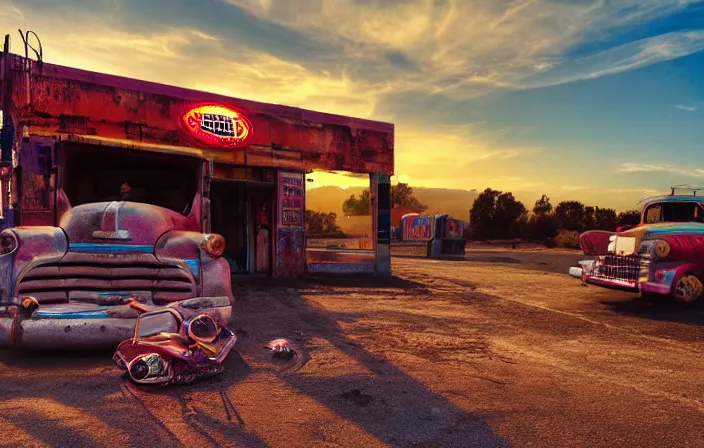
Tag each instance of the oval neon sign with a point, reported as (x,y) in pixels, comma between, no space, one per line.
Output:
(217,125)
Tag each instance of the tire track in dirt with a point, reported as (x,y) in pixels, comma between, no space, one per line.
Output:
(508,303)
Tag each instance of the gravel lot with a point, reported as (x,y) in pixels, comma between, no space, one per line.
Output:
(503,349)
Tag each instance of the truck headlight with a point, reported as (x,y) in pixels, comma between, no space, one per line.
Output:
(8,242)
(213,245)
(662,249)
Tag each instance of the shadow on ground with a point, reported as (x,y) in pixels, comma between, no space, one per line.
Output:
(664,309)
(389,404)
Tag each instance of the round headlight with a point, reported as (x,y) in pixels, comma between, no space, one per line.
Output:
(8,242)
(662,249)
(148,367)
(213,244)
(202,328)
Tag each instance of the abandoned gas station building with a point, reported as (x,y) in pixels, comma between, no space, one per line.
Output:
(74,136)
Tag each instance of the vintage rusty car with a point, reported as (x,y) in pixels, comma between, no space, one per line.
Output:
(69,286)
(177,343)
(663,256)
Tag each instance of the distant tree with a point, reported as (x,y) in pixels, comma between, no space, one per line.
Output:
(542,206)
(628,218)
(588,223)
(605,219)
(494,214)
(322,224)
(481,216)
(521,228)
(570,215)
(401,197)
(357,206)
(543,226)
(508,211)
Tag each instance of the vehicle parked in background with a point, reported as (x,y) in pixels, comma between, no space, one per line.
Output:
(660,257)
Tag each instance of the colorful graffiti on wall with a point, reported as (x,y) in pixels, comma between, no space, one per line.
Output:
(417,228)
(425,228)
(454,228)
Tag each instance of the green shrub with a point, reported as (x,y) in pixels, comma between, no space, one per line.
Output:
(568,239)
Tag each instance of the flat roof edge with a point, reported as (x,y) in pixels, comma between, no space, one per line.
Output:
(138,85)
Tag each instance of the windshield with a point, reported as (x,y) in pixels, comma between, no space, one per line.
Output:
(674,212)
(99,175)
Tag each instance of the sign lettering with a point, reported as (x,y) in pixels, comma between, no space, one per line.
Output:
(217,126)
(291,207)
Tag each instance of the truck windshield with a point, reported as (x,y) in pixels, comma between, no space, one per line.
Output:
(94,174)
(674,212)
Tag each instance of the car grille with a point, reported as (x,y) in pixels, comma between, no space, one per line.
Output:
(107,282)
(618,267)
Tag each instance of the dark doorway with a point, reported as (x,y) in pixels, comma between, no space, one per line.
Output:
(228,211)
(95,174)
(262,202)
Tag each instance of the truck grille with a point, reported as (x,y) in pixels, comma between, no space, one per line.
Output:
(107,282)
(618,267)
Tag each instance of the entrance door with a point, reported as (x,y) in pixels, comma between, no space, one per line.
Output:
(228,211)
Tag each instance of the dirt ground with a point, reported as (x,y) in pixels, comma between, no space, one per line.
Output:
(503,349)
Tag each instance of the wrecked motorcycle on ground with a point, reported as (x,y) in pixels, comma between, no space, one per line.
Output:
(177,343)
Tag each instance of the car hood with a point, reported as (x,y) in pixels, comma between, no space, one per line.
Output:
(650,231)
(596,242)
(121,222)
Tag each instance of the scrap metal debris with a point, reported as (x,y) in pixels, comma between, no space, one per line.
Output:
(177,343)
(282,349)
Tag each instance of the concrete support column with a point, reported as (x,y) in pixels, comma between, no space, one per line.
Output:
(380,189)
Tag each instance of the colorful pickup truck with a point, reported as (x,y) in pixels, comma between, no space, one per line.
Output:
(663,256)
(70,286)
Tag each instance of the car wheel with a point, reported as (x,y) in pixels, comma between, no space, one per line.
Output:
(688,289)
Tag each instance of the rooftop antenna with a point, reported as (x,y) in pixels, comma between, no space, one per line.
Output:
(28,46)
(692,188)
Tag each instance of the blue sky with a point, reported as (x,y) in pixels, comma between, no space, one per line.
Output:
(596,100)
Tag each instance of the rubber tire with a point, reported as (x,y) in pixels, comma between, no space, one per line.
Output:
(696,301)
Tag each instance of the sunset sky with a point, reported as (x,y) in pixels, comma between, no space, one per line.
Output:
(596,100)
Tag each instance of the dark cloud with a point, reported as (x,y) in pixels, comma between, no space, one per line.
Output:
(399,60)
(236,27)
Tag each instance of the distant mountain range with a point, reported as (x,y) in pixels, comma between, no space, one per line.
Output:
(439,200)
(455,202)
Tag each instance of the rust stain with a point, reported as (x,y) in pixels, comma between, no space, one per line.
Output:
(107,106)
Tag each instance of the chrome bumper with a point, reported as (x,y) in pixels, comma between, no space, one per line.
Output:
(621,285)
(64,333)
(586,266)
(58,328)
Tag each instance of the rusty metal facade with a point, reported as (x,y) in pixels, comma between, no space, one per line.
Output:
(55,100)
(51,103)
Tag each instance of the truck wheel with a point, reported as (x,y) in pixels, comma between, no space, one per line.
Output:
(688,289)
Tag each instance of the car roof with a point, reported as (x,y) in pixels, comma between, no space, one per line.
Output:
(673,198)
